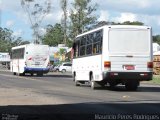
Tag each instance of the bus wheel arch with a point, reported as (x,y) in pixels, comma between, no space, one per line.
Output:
(92,82)
(74,76)
(90,76)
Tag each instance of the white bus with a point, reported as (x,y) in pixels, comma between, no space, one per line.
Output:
(115,54)
(30,58)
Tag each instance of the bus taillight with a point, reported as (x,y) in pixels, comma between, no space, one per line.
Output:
(30,58)
(107,64)
(150,65)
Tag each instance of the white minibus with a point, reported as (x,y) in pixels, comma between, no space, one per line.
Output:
(30,58)
(114,54)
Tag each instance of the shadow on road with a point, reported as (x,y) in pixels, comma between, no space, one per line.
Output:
(80,111)
(56,75)
(59,76)
(140,89)
(121,88)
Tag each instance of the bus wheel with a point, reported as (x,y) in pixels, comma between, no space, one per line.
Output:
(14,73)
(94,84)
(39,74)
(20,74)
(132,85)
(77,83)
(112,84)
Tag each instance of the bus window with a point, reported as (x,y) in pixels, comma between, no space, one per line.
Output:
(83,40)
(97,48)
(83,46)
(82,50)
(76,47)
(89,49)
(97,45)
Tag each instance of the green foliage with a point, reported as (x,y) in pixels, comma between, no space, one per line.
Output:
(102,23)
(64,19)
(81,16)
(54,35)
(155,80)
(156,39)
(132,23)
(7,41)
(62,51)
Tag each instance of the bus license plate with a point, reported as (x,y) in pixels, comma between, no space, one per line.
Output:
(129,67)
(37,63)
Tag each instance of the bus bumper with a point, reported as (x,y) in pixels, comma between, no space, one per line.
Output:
(140,76)
(36,70)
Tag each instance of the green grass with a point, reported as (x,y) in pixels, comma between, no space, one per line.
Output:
(156,79)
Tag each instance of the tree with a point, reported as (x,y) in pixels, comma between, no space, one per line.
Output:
(54,35)
(156,39)
(64,19)
(7,40)
(132,23)
(62,51)
(36,14)
(102,23)
(81,16)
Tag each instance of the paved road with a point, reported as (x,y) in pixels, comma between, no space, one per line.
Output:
(55,96)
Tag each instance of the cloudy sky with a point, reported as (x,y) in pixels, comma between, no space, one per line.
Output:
(147,11)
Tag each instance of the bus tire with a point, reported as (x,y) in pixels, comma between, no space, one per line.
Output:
(21,74)
(132,85)
(112,86)
(77,83)
(93,85)
(14,73)
(40,74)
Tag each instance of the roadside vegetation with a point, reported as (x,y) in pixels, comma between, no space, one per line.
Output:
(156,79)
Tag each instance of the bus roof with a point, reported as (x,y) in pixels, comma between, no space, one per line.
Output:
(115,26)
(23,46)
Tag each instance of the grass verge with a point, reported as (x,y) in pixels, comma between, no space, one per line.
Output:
(156,79)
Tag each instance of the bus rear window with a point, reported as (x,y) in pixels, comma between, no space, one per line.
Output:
(132,41)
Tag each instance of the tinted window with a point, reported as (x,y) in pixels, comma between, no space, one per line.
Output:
(83,40)
(18,53)
(89,44)
(67,64)
(82,50)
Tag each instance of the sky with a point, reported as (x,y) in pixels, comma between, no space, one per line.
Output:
(13,16)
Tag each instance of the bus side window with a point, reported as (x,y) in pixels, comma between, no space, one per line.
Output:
(76,47)
(97,45)
(94,49)
(83,46)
